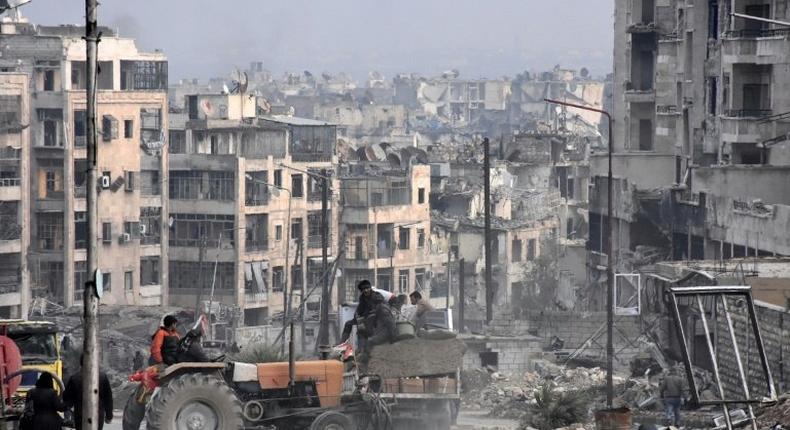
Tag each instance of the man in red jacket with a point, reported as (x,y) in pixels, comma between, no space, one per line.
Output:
(168,328)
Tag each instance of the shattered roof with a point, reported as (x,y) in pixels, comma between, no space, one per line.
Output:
(441,219)
(294,120)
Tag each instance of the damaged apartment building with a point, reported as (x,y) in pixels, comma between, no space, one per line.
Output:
(44,167)
(245,203)
(539,194)
(701,133)
(385,226)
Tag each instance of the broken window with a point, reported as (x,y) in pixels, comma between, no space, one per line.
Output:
(403,281)
(185,184)
(314,192)
(80,278)
(106,232)
(712,94)
(516,257)
(80,230)
(128,283)
(531,249)
(195,230)
(51,277)
(10,168)
(51,130)
(257,232)
(713,19)
(403,237)
(314,239)
(221,186)
(78,81)
(80,128)
(128,128)
(278,232)
(256,188)
(384,279)
(177,143)
(384,235)
(143,75)
(10,109)
(753,27)
(49,231)
(106,281)
(49,80)
(150,183)
(643,56)
(296,186)
(296,229)
(278,178)
(150,225)
(420,238)
(419,280)
(10,228)
(278,281)
(150,125)
(149,271)
(312,143)
(645,135)
(186,275)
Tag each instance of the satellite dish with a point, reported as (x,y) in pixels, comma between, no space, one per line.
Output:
(225,89)
(11,4)
(206,107)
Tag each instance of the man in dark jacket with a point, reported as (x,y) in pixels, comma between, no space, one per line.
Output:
(72,398)
(364,307)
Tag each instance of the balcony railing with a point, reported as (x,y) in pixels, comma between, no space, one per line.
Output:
(9,182)
(747,113)
(753,33)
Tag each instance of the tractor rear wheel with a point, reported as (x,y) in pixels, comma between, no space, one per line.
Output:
(134,412)
(332,420)
(195,402)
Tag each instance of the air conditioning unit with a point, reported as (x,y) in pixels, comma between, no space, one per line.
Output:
(142,229)
(105,182)
(124,238)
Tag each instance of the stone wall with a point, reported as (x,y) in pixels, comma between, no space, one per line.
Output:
(774,325)
(574,329)
(513,354)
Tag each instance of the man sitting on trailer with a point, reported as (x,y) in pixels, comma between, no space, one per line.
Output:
(364,307)
(423,307)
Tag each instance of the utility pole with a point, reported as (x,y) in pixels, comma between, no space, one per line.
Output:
(461,295)
(323,330)
(201,256)
(90,344)
(449,276)
(609,253)
(487,203)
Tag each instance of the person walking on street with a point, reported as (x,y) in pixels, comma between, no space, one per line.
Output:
(42,406)
(72,398)
(671,392)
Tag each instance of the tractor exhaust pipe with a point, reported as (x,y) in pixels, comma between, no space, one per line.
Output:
(291,362)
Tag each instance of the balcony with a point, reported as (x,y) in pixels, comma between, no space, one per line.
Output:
(769,46)
(10,189)
(254,300)
(752,126)
(10,246)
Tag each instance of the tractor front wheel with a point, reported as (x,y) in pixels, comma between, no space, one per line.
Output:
(332,420)
(195,402)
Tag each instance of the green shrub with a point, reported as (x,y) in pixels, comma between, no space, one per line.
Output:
(553,409)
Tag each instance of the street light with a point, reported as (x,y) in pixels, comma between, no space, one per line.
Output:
(609,252)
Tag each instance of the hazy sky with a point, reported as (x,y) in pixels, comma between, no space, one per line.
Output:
(481,38)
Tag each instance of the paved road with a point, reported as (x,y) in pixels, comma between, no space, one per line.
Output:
(467,420)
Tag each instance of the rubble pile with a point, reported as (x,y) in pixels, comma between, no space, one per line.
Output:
(778,413)
(509,396)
